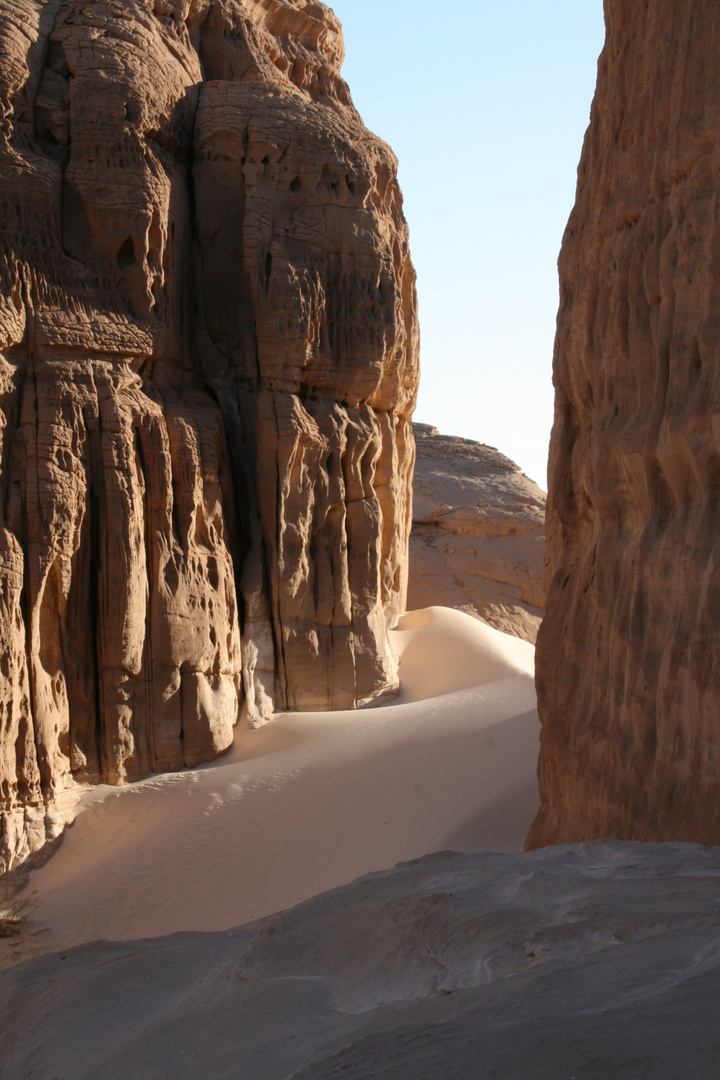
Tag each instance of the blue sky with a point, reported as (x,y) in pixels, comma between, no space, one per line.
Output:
(485,105)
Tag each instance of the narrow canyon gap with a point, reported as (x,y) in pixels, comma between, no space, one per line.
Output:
(208,365)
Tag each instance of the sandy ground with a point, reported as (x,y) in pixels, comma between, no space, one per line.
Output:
(310,801)
(589,962)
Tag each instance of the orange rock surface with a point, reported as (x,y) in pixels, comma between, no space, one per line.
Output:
(208,363)
(628,668)
(477,541)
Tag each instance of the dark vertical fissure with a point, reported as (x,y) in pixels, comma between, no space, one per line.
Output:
(96,500)
(240,397)
(144,737)
(26,598)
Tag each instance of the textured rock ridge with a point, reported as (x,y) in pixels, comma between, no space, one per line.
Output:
(208,363)
(628,674)
(477,540)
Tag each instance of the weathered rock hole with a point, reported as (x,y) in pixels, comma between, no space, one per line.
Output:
(296,184)
(172,578)
(126,255)
(56,59)
(664,501)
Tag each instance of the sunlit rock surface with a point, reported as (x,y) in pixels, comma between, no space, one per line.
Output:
(477,540)
(208,362)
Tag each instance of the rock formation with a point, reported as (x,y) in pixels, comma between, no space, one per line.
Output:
(477,538)
(593,961)
(628,667)
(208,362)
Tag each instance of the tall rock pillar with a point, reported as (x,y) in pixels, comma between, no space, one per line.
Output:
(628,658)
(208,364)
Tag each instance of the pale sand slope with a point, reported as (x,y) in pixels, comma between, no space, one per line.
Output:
(596,962)
(311,800)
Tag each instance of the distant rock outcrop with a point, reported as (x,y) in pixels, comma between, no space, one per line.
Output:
(477,540)
(208,363)
(628,660)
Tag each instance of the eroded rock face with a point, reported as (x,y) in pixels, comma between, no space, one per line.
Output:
(208,363)
(628,670)
(477,540)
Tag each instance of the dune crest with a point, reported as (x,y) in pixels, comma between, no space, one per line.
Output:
(310,800)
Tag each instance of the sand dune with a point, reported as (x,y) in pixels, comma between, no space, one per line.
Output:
(597,960)
(311,801)
(590,962)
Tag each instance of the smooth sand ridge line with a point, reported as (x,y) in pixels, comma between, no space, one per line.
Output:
(312,800)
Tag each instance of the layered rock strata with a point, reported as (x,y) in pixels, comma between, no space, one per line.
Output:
(628,669)
(208,363)
(477,540)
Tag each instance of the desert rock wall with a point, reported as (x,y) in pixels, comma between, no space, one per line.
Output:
(208,363)
(628,674)
(320,373)
(477,540)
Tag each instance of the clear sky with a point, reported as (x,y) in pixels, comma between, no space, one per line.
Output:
(485,103)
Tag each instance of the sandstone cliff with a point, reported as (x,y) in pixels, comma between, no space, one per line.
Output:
(477,540)
(208,362)
(628,667)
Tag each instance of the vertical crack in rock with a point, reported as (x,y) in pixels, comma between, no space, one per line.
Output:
(628,672)
(208,364)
